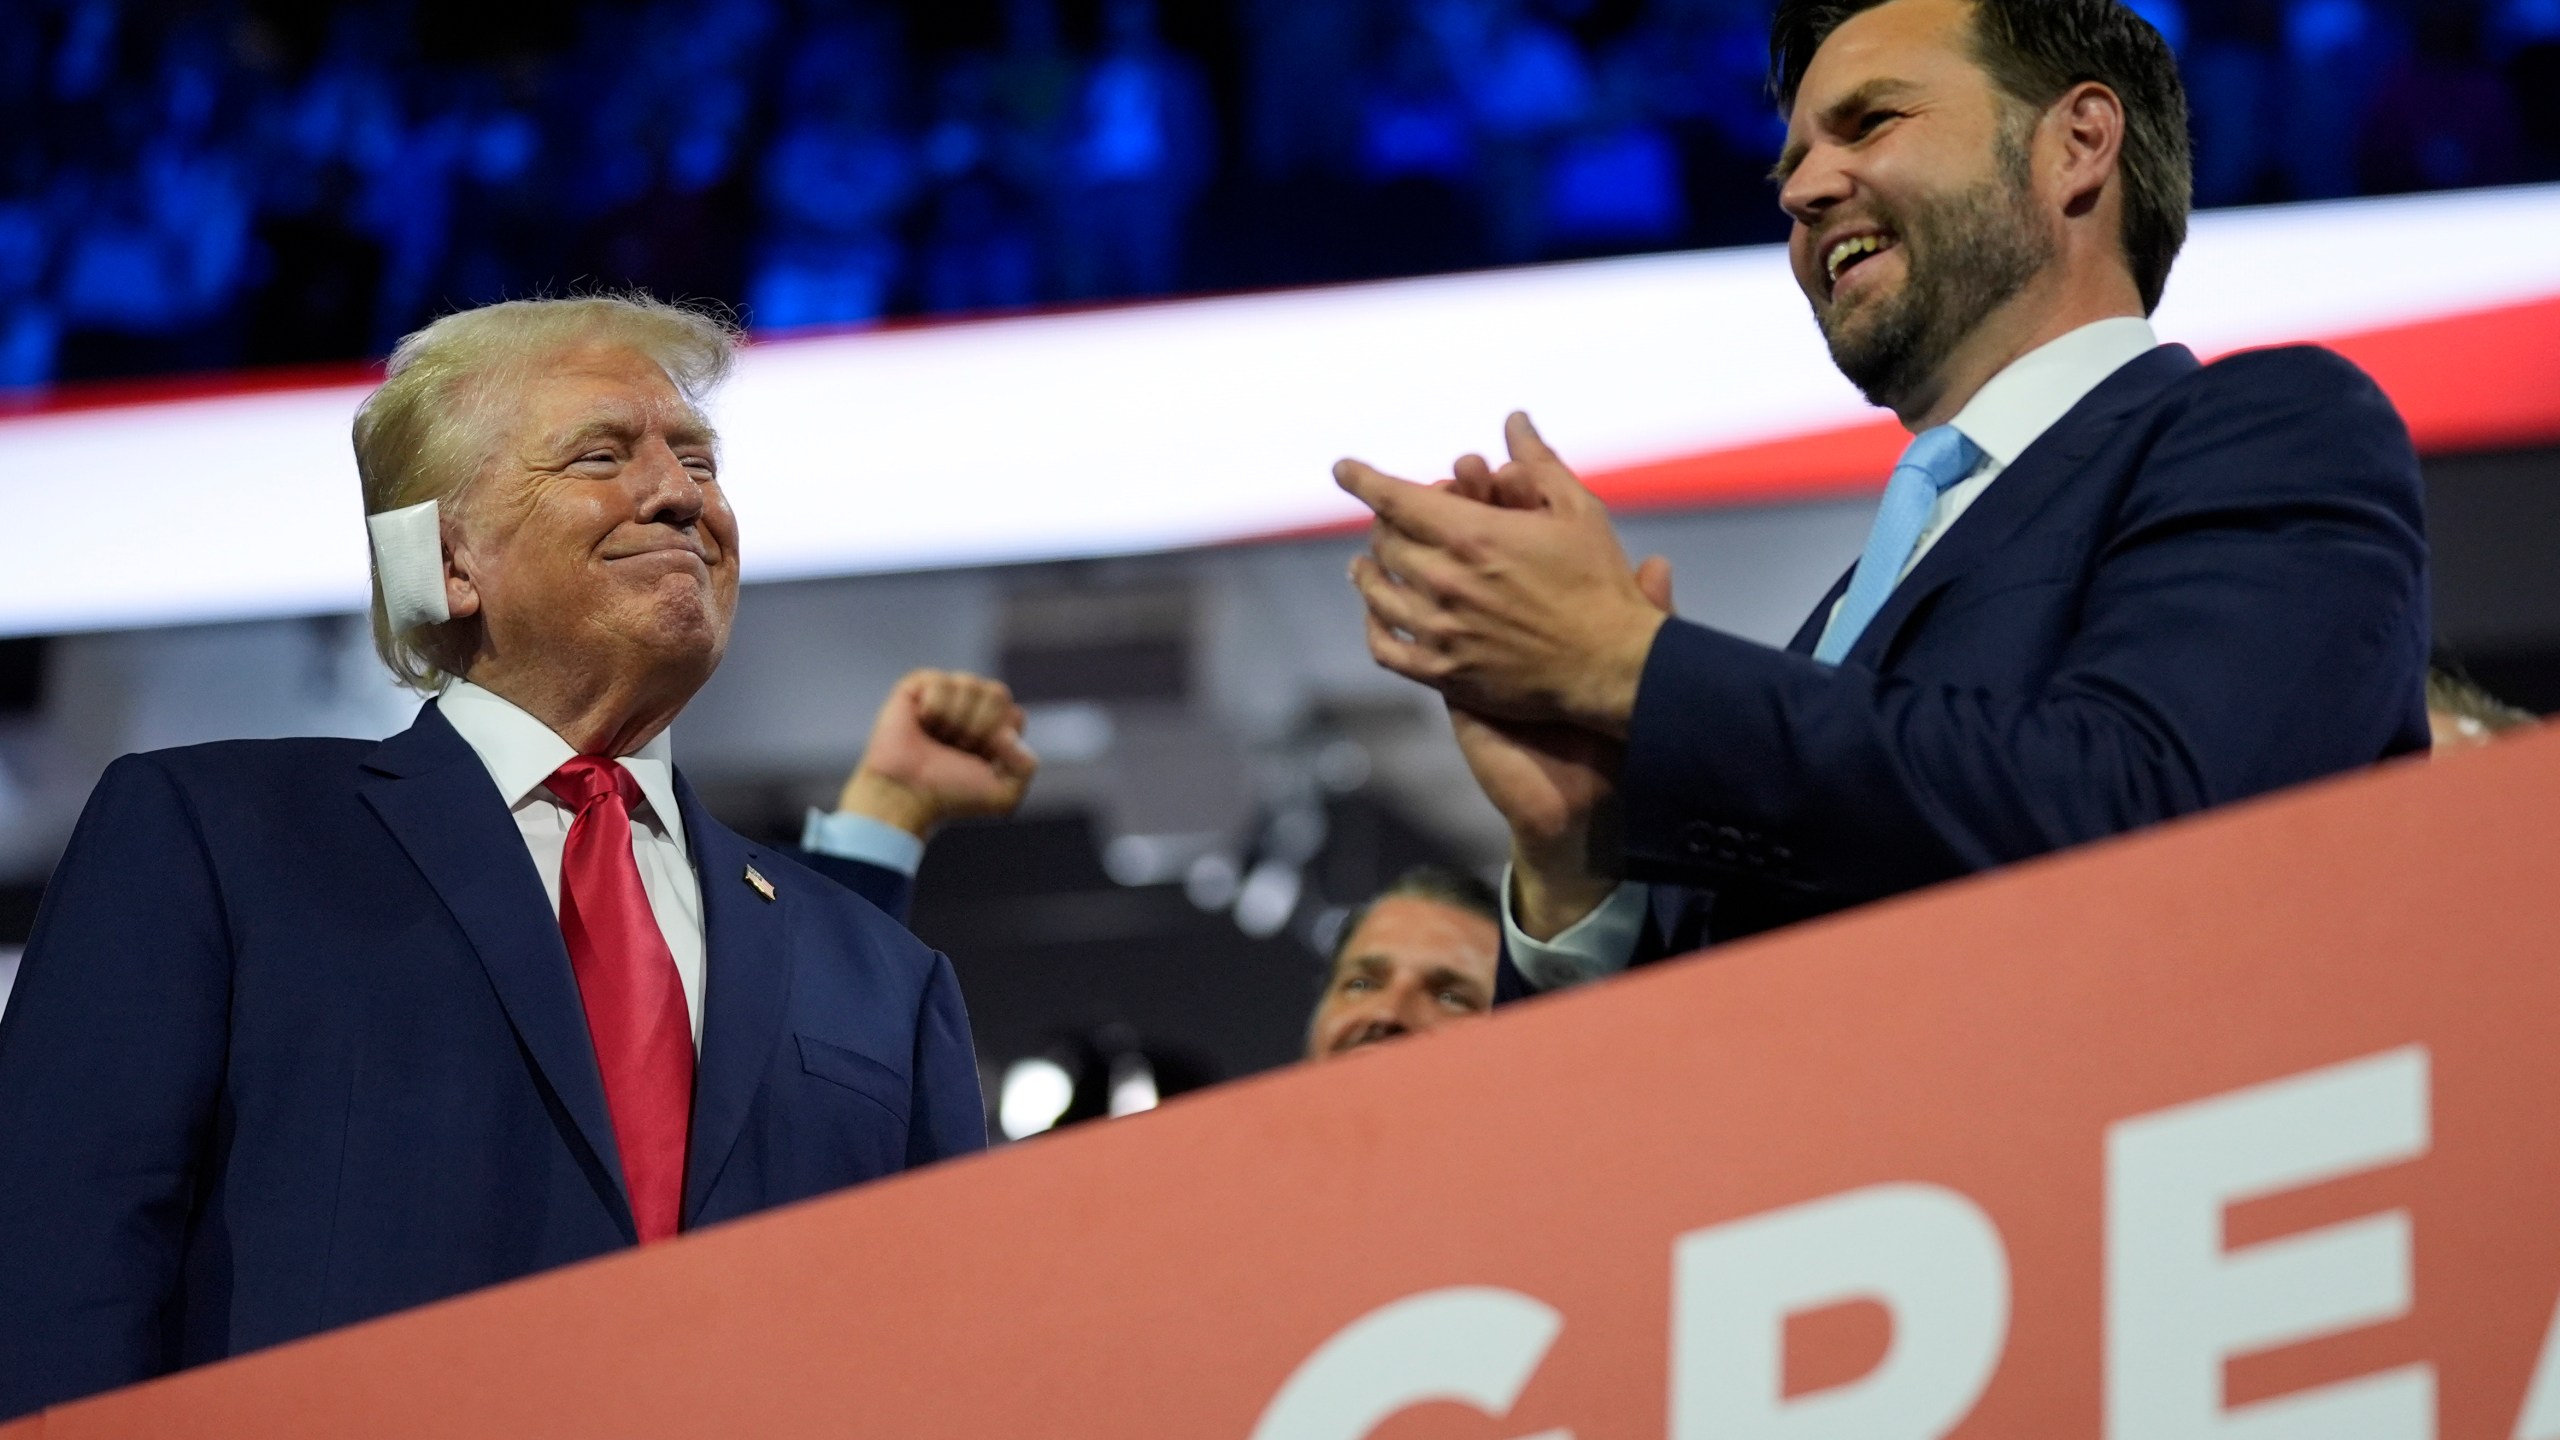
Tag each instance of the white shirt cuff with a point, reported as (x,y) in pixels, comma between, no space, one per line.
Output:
(848,836)
(1594,947)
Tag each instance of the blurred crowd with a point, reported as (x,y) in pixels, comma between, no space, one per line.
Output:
(199,184)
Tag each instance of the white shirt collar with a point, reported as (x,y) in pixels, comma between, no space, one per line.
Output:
(522,752)
(2039,388)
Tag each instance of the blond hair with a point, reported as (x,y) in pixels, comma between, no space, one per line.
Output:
(429,429)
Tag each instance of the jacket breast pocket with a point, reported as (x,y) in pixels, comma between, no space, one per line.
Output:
(857,1072)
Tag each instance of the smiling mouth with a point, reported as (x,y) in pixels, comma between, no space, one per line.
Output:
(664,551)
(1847,255)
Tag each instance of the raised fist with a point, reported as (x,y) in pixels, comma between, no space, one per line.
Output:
(946,746)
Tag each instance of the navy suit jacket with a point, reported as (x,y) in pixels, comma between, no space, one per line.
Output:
(890,891)
(296,1043)
(2204,583)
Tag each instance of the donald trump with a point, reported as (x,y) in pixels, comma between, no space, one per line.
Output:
(312,1030)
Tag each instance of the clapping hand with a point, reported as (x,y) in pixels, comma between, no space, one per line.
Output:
(1505,590)
(1556,787)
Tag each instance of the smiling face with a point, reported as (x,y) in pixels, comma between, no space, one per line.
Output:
(1413,965)
(596,540)
(1907,174)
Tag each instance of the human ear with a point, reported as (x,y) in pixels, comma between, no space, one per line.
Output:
(2089,122)
(461,592)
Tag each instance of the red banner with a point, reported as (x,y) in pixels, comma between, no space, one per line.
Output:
(2480,380)
(2232,1129)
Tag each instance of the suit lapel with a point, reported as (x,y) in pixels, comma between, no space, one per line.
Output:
(746,965)
(438,801)
(2043,472)
(1810,634)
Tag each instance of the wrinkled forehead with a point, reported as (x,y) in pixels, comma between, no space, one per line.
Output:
(541,406)
(570,417)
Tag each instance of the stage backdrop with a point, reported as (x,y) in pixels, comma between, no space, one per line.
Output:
(2243,1128)
(1686,380)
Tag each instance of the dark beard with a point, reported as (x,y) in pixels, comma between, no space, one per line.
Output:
(1968,255)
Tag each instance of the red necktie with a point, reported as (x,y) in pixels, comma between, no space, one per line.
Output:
(627,980)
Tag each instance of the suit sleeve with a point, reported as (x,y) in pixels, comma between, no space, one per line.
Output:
(890,890)
(2257,618)
(111,1062)
(948,1116)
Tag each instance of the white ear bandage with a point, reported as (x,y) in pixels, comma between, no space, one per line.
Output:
(408,553)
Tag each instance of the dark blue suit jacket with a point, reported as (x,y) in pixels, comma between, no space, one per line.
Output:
(296,1043)
(892,892)
(2203,584)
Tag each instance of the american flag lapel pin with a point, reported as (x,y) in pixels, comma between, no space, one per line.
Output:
(762,886)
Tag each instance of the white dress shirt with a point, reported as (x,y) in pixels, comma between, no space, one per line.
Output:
(2003,419)
(521,753)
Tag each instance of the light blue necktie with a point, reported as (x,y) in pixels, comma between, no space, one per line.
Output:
(1936,461)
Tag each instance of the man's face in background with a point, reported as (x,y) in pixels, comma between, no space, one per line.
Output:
(1412,965)
(1907,174)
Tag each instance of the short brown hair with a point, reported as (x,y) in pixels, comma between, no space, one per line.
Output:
(1436,883)
(424,434)
(2035,51)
